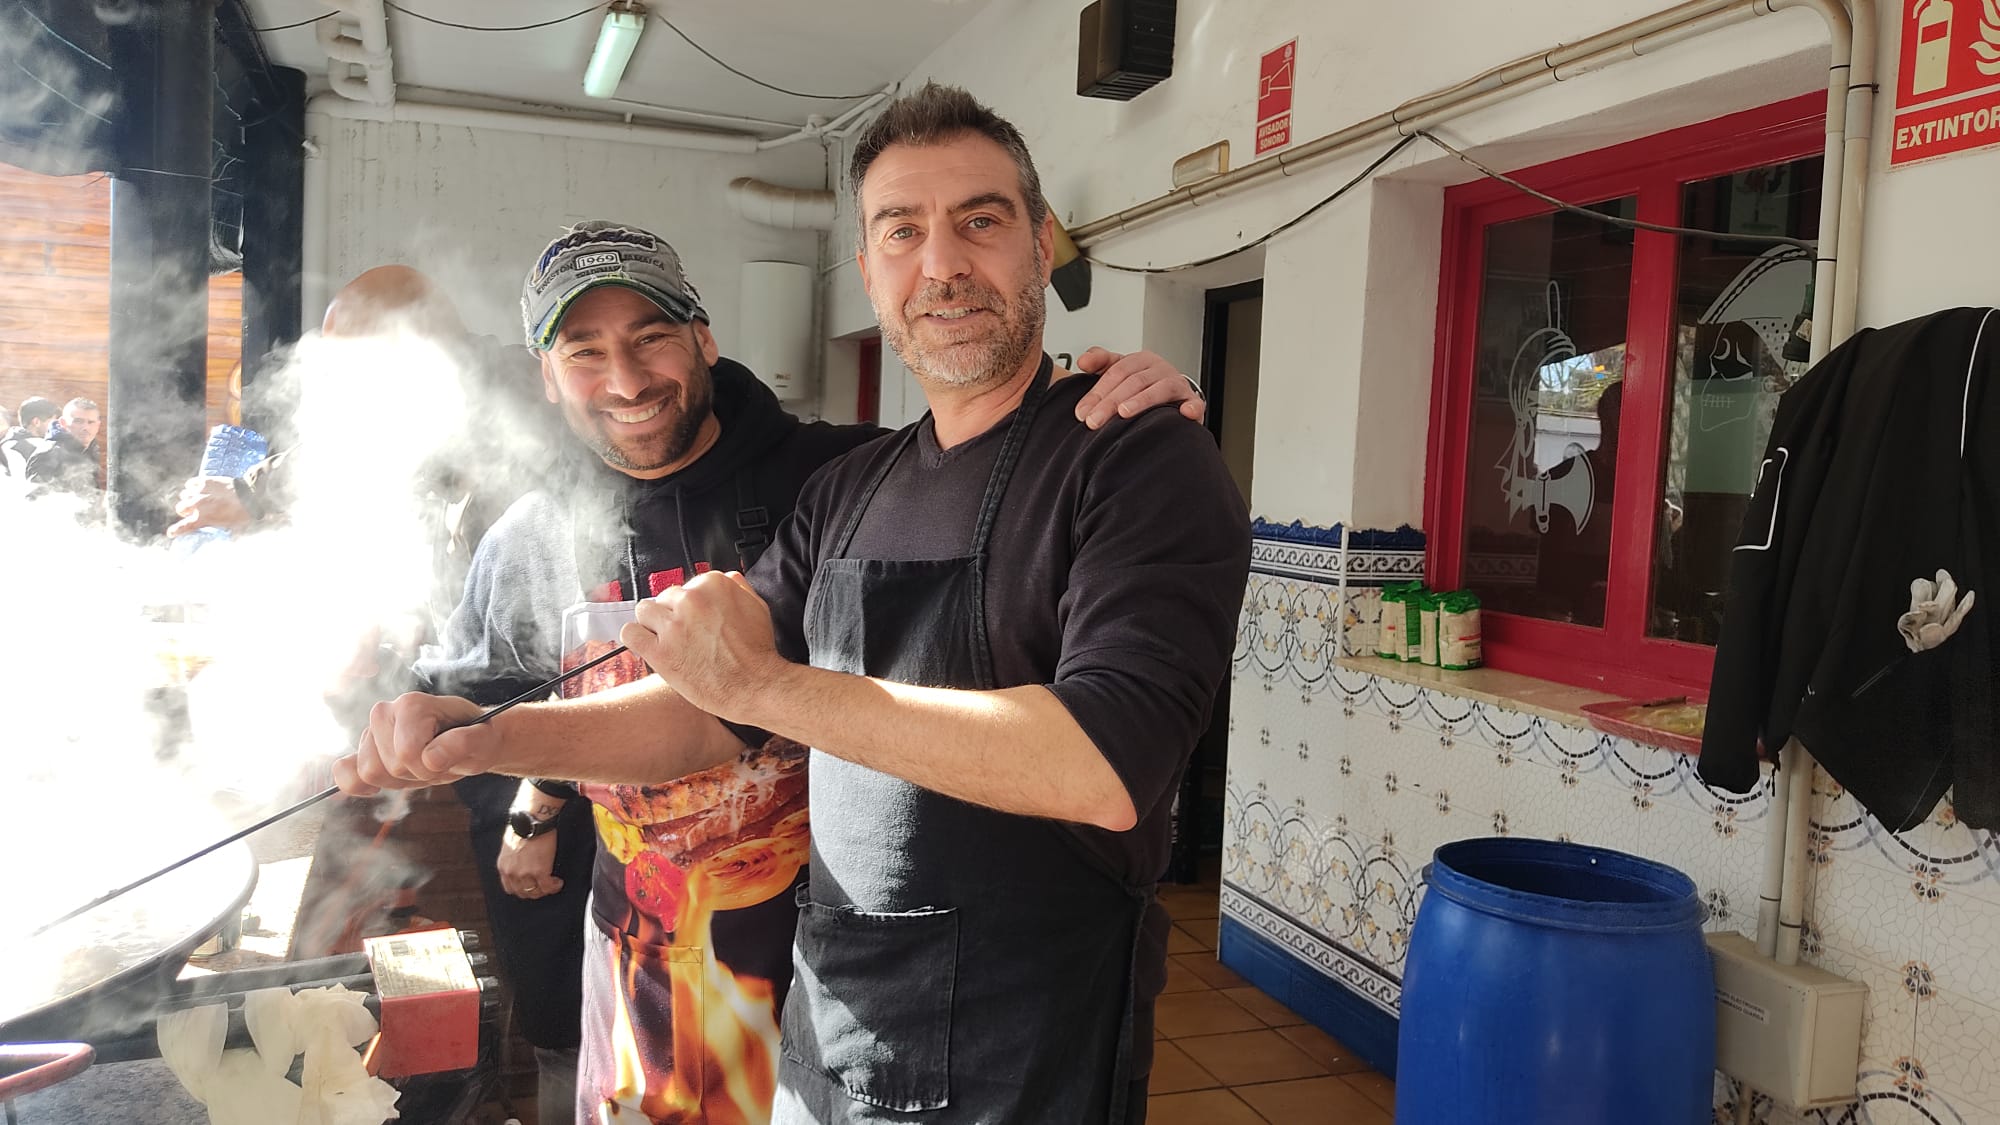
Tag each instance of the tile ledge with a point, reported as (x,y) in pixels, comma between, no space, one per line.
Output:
(1544,698)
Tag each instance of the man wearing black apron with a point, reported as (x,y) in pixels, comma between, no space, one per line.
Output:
(1016,627)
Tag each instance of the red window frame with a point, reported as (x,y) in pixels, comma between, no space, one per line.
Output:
(1619,657)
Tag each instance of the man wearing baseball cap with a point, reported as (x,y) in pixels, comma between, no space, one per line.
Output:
(692,465)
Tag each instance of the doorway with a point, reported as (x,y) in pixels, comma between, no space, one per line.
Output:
(1231,346)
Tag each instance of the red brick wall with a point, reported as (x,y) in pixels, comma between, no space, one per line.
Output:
(55,293)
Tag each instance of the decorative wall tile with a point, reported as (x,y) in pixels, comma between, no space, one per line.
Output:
(1342,784)
(1879,914)
(1889,1013)
(1964,860)
(1954,1038)
(1961,948)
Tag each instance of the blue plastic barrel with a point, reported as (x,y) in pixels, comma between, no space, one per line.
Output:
(1555,984)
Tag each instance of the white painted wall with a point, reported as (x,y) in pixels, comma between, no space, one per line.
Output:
(473,207)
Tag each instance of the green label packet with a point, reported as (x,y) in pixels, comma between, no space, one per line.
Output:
(1427,637)
(1458,631)
(1401,637)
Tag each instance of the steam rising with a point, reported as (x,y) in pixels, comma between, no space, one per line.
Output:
(159,696)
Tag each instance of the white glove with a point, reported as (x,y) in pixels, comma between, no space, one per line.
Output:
(1935,612)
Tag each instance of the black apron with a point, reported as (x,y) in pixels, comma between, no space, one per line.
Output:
(953,963)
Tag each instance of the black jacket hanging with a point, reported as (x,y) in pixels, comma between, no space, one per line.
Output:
(1882,468)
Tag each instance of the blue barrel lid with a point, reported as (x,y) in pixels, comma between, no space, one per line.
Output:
(1562,885)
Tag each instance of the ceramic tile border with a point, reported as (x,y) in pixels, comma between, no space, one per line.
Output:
(1362,977)
(1374,558)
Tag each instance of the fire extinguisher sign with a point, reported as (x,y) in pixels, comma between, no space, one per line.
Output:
(1274,96)
(1948,89)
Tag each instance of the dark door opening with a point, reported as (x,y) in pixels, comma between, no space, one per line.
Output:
(1232,337)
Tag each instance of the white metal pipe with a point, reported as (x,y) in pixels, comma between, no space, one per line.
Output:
(1798,823)
(349,87)
(1785,840)
(1736,11)
(1488,88)
(374,20)
(313,219)
(775,206)
(1852,212)
(852,116)
(660,136)
(1854,193)
(818,129)
(734,121)
(1771,889)
(812,130)
(1511,72)
(368,49)
(341,47)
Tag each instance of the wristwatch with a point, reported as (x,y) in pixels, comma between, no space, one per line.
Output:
(523,824)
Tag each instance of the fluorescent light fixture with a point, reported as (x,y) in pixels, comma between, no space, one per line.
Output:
(615,43)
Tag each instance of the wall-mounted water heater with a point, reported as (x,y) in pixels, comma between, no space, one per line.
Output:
(776,333)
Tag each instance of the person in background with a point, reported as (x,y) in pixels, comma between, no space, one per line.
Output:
(1000,631)
(683,461)
(25,438)
(71,462)
(476,471)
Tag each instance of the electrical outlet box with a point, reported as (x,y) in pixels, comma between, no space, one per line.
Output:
(1790,1031)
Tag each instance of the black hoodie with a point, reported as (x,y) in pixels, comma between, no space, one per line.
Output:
(599,526)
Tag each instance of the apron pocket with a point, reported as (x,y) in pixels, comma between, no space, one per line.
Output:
(852,1015)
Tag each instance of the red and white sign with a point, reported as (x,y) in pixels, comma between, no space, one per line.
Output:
(1948,89)
(1274,97)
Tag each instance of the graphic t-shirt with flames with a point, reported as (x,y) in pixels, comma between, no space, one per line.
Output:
(693,890)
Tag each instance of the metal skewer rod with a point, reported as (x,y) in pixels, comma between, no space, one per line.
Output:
(537,692)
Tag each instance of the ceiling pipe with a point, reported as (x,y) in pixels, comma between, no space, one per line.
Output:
(1853,87)
(369,50)
(1501,83)
(850,119)
(775,206)
(820,129)
(425,113)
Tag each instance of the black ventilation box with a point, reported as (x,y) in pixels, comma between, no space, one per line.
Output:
(1124,48)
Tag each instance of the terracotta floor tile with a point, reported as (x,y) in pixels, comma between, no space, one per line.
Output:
(1201,1013)
(1258,1004)
(1180,941)
(1174,1072)
(1205,1107)
(1180,978)
(1312,1101)
(1203,930)
(1211,972)
(1378,1089)
(1250,1056)
(1329,1052)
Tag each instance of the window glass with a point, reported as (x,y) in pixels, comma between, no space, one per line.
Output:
(1736,304)
(1543,438)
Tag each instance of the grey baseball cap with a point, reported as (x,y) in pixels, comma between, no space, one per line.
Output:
(595,253)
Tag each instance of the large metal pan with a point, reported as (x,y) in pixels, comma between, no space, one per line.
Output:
(103,972)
